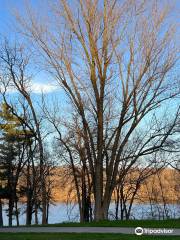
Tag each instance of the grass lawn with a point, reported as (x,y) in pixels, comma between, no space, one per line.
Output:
(80,236)
(170,223)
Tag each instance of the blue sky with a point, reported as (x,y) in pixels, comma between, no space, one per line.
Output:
(7,6)
(8,29)
(43,81)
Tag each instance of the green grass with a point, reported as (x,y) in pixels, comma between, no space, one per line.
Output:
(80,236)
(170,223)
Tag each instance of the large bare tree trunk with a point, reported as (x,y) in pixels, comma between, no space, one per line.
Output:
(10,211)
(16,212)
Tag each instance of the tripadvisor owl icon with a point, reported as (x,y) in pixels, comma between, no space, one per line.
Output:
(139,231)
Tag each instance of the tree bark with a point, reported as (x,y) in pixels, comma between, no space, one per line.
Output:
(10,211)
(36,214)
(1,214)
(16,213)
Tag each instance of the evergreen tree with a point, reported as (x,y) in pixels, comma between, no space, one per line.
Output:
(13,137)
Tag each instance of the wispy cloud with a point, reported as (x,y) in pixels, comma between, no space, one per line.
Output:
(35,87)
(43,87)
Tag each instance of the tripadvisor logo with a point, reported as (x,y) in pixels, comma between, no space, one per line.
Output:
(139,231)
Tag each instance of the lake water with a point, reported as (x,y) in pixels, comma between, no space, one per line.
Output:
(65,213)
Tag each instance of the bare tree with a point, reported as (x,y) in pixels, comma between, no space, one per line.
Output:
(114,61)
(71,151)
(14,64)
(128,190)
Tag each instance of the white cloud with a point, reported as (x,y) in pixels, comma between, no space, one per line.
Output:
(9,89)
(43,87)
(35,87)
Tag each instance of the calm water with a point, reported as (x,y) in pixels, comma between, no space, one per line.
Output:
(64,213)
